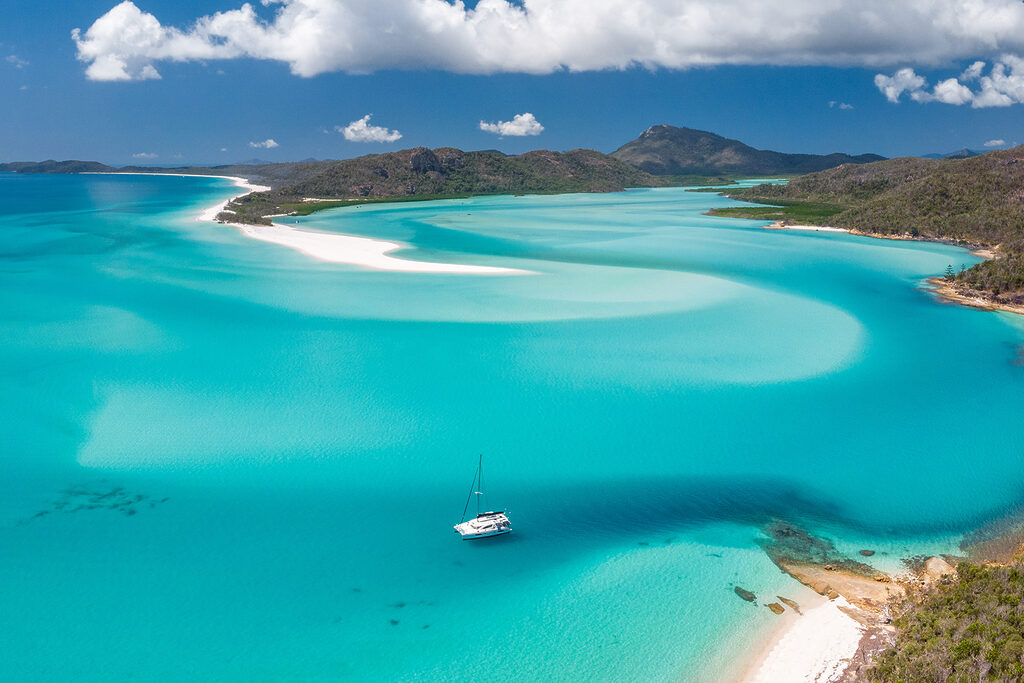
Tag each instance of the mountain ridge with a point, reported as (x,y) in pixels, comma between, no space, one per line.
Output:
(422,172)
(668,150)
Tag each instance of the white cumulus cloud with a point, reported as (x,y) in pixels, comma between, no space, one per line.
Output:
(542,36)
(904,80)
(361,131)
(17,61)
(973,72)
(840,105)
(999,142)
(1001,87)
(269,143)
(520,125)
(950,91)
(144,155)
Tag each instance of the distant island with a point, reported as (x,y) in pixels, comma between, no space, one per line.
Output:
(666,150)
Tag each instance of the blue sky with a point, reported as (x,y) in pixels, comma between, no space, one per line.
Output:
(160,88)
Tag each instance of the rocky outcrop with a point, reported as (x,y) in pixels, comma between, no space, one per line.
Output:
(424,160)
(937,569)
(792,604)
(745,594)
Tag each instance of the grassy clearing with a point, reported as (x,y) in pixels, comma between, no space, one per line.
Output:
(789,212)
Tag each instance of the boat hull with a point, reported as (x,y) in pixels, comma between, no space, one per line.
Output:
(470,536)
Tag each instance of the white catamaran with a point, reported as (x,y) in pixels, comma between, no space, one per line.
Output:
(493,523)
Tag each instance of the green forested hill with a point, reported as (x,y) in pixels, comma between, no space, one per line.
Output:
(969,628)
(423,173)
(977,201)
(51,166)
(667,149)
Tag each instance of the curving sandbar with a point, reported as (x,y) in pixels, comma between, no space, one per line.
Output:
(358,251)
(337,247)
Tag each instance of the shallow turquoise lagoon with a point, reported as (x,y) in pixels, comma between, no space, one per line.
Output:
(225,460)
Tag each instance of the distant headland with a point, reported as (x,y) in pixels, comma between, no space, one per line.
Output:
(967,198)
(662,156)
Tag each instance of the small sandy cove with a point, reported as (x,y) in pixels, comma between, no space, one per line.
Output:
(813,647)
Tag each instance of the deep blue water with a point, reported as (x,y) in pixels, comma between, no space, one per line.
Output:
(249,461)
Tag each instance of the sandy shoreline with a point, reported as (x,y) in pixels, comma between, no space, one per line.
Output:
(944,290)
(328,246)
(845,626)
(359,251)
(210,213)
(338,247)
(779,225)
(812,647)
(948,293)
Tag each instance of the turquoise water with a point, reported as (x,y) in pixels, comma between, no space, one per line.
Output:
(248,462)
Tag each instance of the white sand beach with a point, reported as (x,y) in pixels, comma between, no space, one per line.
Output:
(207,214)
(210,214)
(814,647)
(358,251)
(779,225)
(333,247)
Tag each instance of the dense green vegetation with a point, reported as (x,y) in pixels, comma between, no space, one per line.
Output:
(792,213)
(666,149)
(421,173)
(977,201)
(409,175)
(970,628)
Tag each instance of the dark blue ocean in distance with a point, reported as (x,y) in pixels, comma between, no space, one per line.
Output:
(225,460)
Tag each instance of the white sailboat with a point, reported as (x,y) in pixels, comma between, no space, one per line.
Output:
(493,523)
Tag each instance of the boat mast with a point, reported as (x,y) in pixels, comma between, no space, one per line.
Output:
(473,489)
(480,478)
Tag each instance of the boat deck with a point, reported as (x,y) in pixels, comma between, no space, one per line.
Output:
(485,524)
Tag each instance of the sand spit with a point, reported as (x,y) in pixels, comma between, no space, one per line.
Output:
(358,251)
(330,247)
